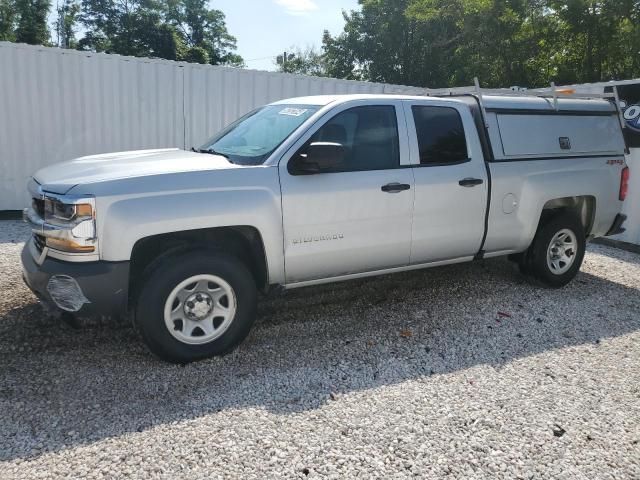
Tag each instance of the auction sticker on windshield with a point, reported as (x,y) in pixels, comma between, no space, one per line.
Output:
(294,112)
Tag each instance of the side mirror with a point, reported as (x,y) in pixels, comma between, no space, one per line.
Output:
(318,157)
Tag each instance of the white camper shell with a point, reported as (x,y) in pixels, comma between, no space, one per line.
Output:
(533,128)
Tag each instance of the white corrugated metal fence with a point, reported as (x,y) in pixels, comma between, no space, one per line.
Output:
(60,104)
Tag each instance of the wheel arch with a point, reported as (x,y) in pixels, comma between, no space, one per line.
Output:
(242,241)
(583,206)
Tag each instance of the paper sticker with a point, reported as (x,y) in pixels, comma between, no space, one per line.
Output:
(294,112)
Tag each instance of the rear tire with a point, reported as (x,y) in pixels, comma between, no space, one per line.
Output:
(556,254)
(195,305)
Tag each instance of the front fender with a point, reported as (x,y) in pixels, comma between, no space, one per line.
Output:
(125,221)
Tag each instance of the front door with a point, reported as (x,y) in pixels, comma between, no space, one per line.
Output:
(354,216)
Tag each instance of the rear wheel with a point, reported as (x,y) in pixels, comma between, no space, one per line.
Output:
(556,254)
(195,305)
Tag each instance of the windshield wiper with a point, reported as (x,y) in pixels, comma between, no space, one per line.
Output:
(211,151)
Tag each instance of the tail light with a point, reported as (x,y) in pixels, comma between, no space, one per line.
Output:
(624,183)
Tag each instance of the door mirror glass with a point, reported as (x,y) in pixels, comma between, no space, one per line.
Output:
(319,157)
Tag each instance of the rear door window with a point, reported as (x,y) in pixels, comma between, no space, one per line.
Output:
(441,138)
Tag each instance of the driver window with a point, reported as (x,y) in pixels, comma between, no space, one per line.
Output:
(369,136)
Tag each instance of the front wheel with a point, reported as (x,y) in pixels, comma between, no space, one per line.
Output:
(557,252)
(195,306)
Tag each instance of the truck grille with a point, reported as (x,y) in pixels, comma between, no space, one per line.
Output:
(39,242)
(38,206)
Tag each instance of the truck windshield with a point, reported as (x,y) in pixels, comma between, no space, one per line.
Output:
(251,139)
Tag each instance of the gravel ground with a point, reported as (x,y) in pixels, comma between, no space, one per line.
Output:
(464,371)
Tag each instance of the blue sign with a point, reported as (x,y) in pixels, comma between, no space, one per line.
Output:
(631,114)
(630,105)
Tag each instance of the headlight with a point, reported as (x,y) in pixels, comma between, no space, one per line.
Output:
(57,211)
(70,224)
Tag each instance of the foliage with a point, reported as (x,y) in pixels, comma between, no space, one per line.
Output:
(413,42)
(379,44)
(601,38)
(504,42)
(66,23)
(31,21)
(127,27)
(202,27)
(306,61)
(196,55)
(7,20)
(340,58)
(167,43)
(171,29)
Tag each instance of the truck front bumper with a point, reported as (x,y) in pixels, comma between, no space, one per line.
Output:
(86,288)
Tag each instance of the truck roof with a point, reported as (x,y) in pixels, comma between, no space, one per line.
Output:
(491,102)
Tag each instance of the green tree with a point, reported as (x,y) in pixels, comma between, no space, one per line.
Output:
(7,20)
(126,27)
(496,40)
(339,58)
(504,42)
(306,61)
(170,29)
(32,21)
(382,43)
(196,55)
(202,27)
(601,39)
(67,23)
(166,42)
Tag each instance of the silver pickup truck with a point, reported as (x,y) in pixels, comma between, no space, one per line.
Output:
(322,189)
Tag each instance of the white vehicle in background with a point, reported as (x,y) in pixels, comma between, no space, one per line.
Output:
(322,189)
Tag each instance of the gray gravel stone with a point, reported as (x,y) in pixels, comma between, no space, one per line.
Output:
(465,371)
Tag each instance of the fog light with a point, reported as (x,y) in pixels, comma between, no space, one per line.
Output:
(66,293)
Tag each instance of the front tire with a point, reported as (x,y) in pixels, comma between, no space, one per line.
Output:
(195,305)
(557,251)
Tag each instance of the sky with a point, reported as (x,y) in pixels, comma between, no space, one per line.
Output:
(266,28)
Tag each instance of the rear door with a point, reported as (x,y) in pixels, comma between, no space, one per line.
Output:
(451,184)
(355,217)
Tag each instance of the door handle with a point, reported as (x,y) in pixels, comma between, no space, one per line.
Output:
(470,182)
(395,187)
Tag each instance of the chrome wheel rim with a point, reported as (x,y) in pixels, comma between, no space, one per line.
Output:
(562,252)
(200,309)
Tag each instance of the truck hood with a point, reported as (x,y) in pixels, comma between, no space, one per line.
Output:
(62,177)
